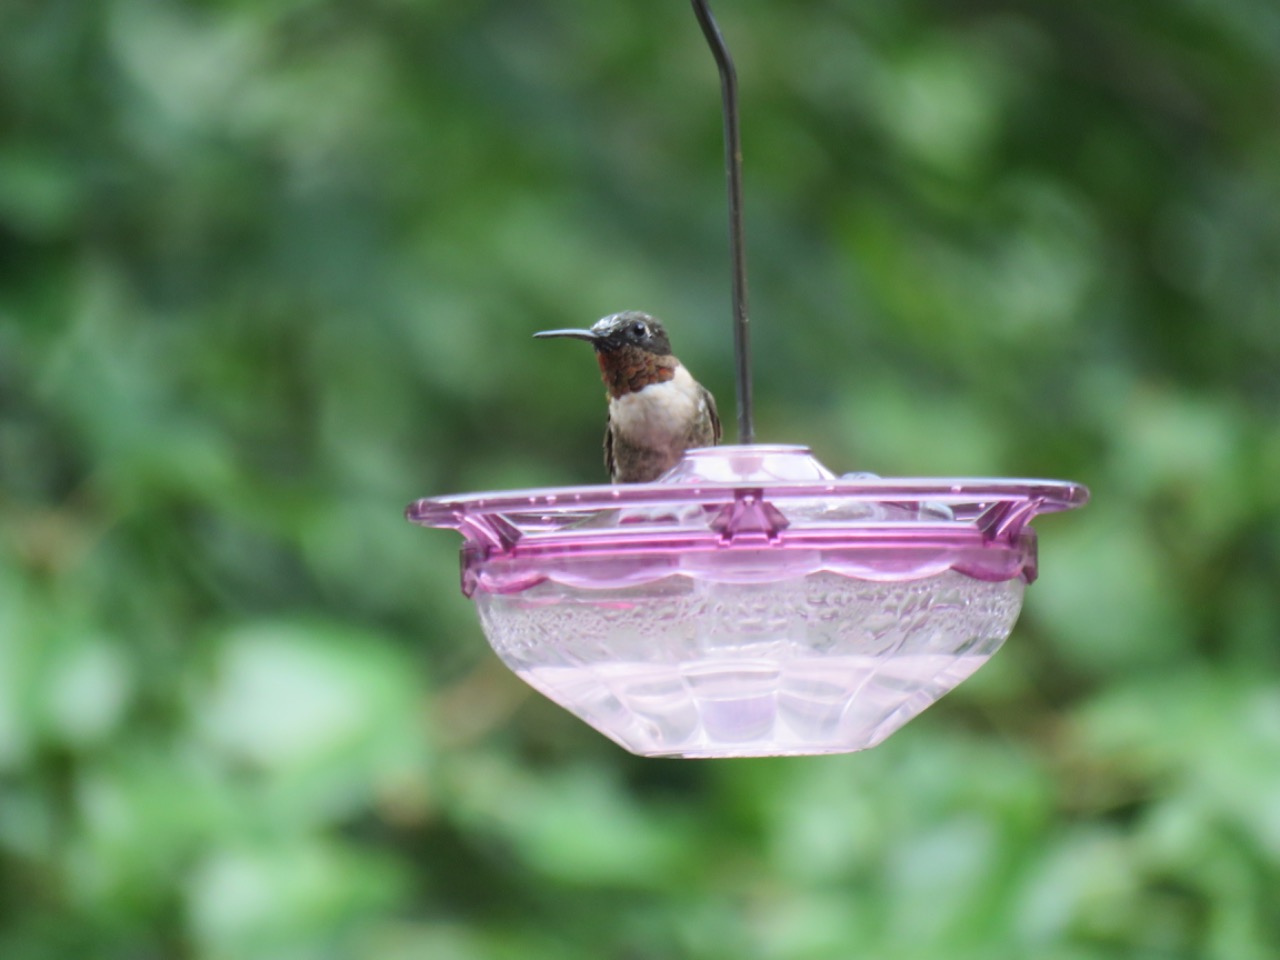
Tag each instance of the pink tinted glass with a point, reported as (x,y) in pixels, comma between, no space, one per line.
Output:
(750,602)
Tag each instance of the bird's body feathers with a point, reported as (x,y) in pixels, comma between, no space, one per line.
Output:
(649,429)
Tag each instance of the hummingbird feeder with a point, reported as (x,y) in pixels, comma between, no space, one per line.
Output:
(750,602)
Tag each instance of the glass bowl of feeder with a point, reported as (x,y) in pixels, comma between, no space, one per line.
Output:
(750,602)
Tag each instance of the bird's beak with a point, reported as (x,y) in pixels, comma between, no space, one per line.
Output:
(572,334)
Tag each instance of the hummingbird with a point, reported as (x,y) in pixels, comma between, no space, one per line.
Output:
(656,409)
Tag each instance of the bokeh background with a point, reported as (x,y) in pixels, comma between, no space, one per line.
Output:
(269,270)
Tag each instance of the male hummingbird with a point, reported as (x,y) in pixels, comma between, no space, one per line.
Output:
(656,409)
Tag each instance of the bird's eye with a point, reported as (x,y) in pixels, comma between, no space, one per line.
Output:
(639,329)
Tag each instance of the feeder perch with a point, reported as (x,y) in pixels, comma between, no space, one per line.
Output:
(750,602)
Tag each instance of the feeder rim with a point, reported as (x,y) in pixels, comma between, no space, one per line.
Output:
(1047,496)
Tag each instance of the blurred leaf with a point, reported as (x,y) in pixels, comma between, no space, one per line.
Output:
(325,715)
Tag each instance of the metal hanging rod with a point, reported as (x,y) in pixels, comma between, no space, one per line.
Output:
(737,250)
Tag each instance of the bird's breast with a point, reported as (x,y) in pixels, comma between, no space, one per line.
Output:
(659,414)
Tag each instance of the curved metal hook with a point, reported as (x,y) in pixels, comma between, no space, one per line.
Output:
(733,167)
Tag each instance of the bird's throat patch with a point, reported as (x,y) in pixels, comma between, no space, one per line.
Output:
(630,369)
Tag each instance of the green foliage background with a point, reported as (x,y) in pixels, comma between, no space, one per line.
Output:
(268,270)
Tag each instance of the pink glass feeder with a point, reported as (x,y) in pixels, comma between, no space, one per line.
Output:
(750,603)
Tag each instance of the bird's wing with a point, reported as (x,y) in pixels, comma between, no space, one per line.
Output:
(608,448)
(710,401)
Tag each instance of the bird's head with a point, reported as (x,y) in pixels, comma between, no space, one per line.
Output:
(619,332)
(632,348)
